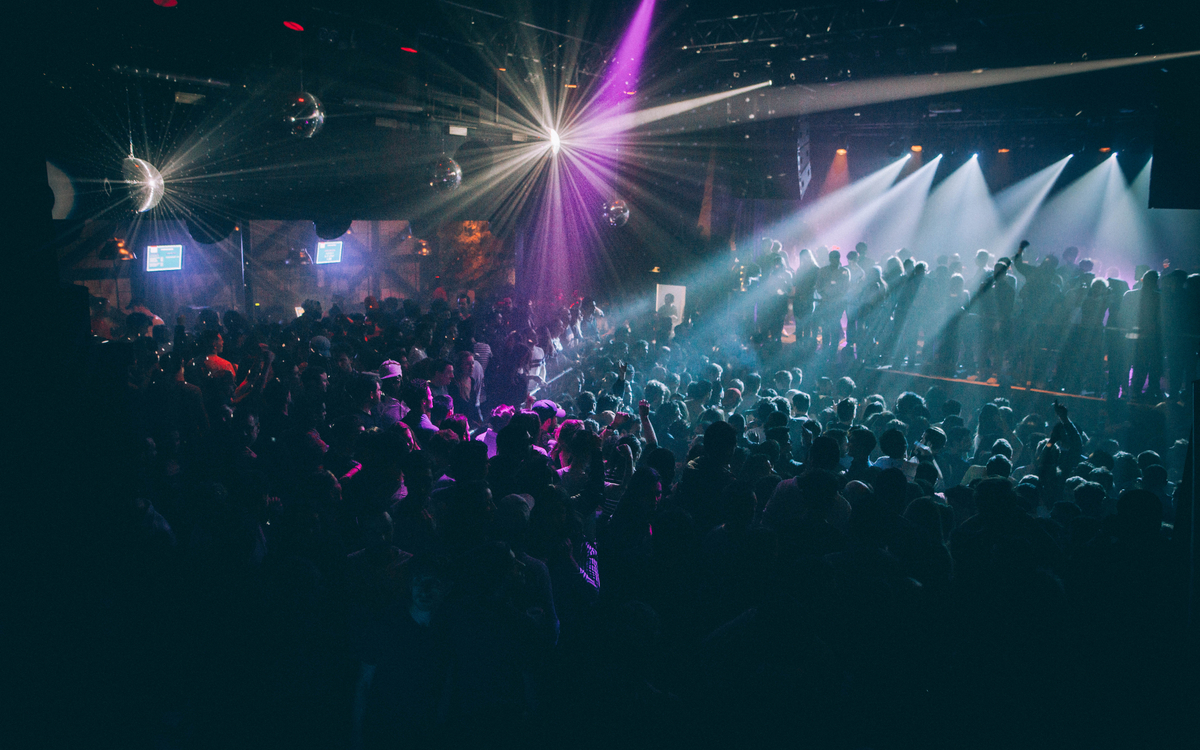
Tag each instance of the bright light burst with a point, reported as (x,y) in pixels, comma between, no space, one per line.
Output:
(581,141)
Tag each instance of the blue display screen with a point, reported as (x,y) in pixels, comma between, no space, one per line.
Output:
(164,257)
(329,252)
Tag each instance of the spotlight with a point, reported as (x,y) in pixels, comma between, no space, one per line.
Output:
(293,26)
(974,156)
(916,149)
(1002,151)
(145,183)
(1105,150)
(841,152)
(555,142)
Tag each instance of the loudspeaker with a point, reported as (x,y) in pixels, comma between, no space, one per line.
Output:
(1175,173)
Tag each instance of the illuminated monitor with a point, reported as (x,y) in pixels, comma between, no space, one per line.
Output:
(164,257)
(329,252)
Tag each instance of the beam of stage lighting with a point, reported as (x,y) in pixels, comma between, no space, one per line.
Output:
(822,215)
(886,223)
(1071,215)
(621,77)
(838,175)
(1018,204)
(1123,235)
(796,100)
(608,127)
(959,214)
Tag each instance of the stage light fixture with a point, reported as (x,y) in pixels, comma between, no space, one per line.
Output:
(293,26)
(841,152)
(145,183)
(555,142)
(166,3)
(409,50)
(1105,150)
(1002,151)
(974,156)
(915,149)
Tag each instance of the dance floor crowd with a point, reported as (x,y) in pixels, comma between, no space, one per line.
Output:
(502,524)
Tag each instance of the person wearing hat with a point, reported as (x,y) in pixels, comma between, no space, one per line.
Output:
(391,410)
(320,345)
(549,413)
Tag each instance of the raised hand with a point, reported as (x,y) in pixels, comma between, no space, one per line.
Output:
(1060,410)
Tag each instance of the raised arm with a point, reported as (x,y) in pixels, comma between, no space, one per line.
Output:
(647,428)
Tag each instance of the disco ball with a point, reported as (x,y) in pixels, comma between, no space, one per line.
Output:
(304,116)
(616,212)
(144,182)
(446,175)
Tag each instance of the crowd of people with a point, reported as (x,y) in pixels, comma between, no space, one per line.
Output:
(519,524)
(1005,318)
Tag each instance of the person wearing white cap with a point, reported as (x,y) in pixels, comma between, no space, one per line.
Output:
(391,409)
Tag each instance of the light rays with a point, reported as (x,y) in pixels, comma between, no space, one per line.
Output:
(820,217)
(960,214)
(1018,204)
(797,100)
(888,220)
(1070,217)
(587,140)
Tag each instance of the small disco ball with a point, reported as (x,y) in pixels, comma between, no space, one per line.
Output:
(446,175)
(304,116)
(617,213)
(144,182)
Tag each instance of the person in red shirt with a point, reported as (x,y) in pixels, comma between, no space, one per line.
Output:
(211,346)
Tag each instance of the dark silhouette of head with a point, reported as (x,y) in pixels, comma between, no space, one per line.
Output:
(720,439)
